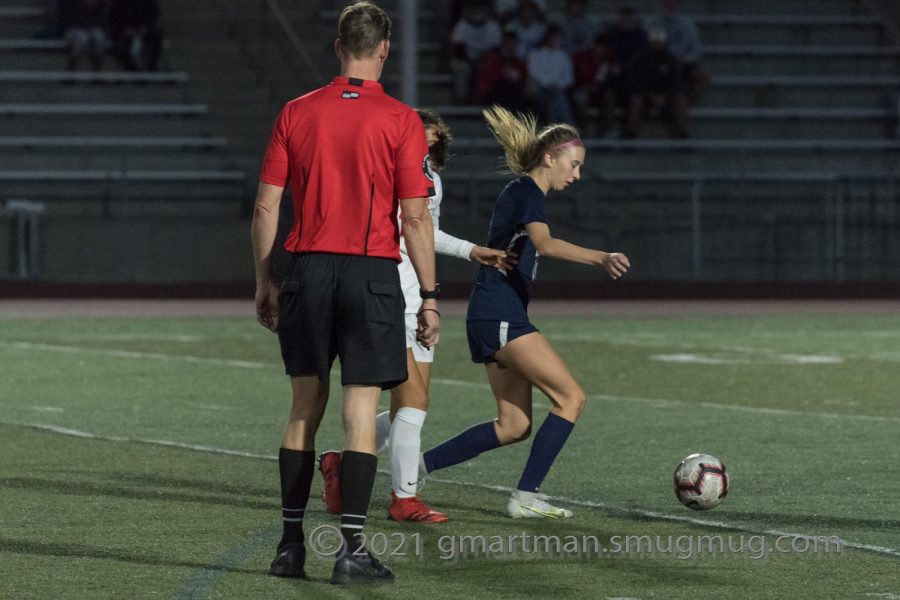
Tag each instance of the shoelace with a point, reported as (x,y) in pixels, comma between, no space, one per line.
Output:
(540,502)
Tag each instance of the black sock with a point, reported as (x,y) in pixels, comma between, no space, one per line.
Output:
(357,479)
(297,468)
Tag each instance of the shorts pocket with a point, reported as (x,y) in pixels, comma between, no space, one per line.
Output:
(383,304)
(289,290)
(288,303)
(290,286)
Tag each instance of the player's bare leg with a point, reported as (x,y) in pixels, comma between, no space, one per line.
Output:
(534,359)
(409,405)
(384,419)
(512,393)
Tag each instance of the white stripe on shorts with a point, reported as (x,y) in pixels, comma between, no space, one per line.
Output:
(504,333)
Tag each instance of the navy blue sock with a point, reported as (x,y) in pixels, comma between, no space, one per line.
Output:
(548,441)
(467,445)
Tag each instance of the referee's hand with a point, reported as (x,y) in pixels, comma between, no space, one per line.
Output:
(267,305)
(429,331)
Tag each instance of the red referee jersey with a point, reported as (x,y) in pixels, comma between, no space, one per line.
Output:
(350,152)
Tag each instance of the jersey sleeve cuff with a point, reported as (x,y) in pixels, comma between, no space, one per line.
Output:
(273,180)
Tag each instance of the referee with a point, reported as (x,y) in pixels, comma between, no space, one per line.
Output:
(351,154)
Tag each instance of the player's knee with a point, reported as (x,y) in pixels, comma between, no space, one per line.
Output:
(573,403)
(514,430)
(520,432)
(580,401)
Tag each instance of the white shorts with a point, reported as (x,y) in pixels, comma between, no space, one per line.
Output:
(420,353)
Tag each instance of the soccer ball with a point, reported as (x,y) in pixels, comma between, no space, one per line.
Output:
(701,481)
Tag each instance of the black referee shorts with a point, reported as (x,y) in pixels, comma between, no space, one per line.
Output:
(347,306)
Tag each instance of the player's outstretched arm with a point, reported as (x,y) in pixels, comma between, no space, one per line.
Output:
(263,231)
(446,244)
(493,258)
(614,263)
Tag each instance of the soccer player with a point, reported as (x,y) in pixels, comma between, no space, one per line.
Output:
(400,428)
(516,356)
(349,152)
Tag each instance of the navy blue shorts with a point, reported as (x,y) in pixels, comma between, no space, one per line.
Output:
(486,337)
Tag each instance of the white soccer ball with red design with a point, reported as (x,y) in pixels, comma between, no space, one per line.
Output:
(701,481)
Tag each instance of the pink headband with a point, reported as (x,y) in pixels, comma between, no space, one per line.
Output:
(576,143)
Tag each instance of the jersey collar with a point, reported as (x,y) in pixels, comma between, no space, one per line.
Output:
(363,83)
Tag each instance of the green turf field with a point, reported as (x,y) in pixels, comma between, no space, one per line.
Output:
(137,462)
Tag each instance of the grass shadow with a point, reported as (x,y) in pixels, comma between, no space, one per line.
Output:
(92,489)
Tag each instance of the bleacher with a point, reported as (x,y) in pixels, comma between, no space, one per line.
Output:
(796,138)
(796,135)
(113,151)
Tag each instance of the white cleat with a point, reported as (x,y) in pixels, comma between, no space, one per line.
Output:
(527,505)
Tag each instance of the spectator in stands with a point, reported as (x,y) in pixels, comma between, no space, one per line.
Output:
(596,76)
(654,86)
(502,77)
(550,77)
(505,10)
(136,34)
(578,27)
(684,43)
(472,37)
(85,32)
(626,36)
(529,26)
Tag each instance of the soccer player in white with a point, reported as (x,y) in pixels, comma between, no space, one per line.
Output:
(400,428)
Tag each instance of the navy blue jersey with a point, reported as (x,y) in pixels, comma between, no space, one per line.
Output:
(499,295)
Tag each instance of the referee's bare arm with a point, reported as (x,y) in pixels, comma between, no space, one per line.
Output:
(418,231)
(263,231)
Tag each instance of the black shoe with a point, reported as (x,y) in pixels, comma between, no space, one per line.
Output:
(289,561)
(355,568)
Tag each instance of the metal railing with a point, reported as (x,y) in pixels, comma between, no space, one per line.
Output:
(273,44)
(850,218)
(268,36)
(25,242)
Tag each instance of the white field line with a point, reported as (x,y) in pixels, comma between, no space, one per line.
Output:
(215,407)
(643,340)
(139,355)
(721,358)
(660,516)
(781,412)
(166,443)
(655,402)
(649,342)
(665,403)
(132,337)
(660,342)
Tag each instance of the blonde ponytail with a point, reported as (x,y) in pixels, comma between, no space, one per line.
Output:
(517,135)
(523,145)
